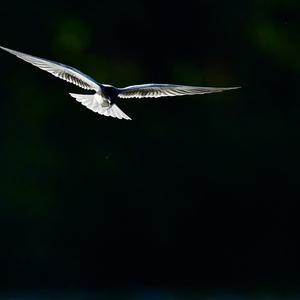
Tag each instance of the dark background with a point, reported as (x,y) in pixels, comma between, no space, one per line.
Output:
(196,193)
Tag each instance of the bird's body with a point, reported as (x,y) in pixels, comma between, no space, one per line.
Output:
(103,101)
(110,92)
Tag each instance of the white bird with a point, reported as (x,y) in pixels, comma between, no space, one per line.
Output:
(103,101)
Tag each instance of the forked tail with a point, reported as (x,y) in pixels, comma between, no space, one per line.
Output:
(97,104)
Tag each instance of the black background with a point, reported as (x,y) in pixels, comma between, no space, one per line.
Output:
(196,193)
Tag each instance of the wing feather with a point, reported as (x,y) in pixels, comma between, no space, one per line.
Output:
(154,90)
(61,71)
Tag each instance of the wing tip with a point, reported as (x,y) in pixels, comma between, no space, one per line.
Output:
(5,49)
(234,88)
(222,89)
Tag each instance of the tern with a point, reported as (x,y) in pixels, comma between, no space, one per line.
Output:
(104,100)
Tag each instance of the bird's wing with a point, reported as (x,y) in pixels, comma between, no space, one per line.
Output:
(61,71)
(154,90)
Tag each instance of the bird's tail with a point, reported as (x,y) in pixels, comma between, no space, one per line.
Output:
(97,104)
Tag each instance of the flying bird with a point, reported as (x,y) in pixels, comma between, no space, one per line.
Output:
(104,100)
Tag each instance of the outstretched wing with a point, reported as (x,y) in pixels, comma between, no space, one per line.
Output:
(61,71)
(154,90)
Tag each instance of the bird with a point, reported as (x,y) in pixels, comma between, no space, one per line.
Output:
(105,96)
